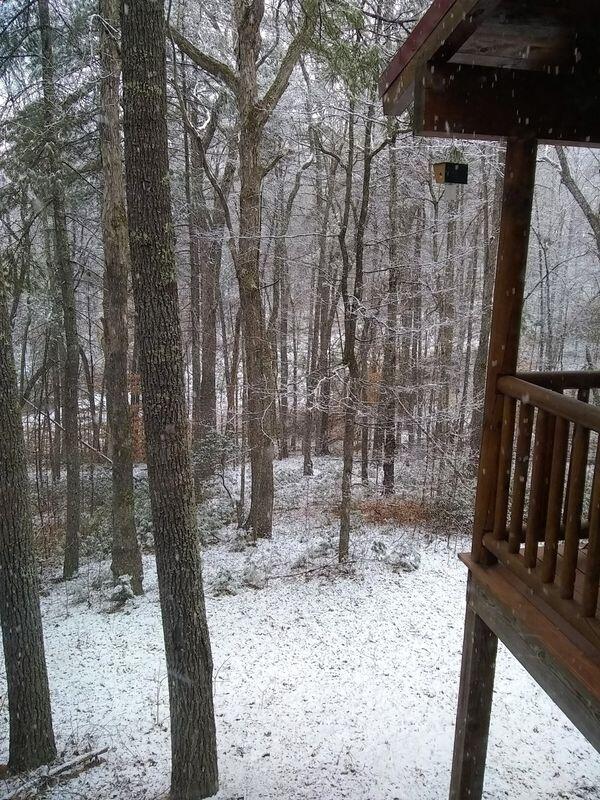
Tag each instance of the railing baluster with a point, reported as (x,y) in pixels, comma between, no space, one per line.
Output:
(556,492)
(538,493)
(583,395)
(504,467)
(520,477)
(592,562)
(574,507)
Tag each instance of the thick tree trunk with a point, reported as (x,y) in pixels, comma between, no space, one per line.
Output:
(67,286)
(31,740)
(187,645)
(126,556)
(261,389)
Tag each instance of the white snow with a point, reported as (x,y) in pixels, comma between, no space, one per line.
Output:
(328,684)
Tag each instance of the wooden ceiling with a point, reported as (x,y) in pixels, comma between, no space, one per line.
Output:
(535,51)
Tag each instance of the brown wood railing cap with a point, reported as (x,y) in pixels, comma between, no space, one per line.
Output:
(555,403)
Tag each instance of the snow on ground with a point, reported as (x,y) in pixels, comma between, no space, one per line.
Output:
(328,685)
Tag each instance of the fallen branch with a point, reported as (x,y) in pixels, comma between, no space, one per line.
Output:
(45,778)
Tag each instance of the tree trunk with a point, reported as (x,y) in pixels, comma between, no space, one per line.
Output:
(67,285)
(489,259)
(261,395)
(388,377)
(210,275)
(31,737)
(187,645)
(192,178)
(126,556)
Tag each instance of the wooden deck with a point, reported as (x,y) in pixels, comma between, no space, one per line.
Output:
(526,72)
(534,570)
(562,661)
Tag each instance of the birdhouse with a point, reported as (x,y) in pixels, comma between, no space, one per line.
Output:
(450,172)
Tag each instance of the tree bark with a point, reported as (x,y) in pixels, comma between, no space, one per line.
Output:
(187,645)
(67,285)
(31,735)
(126,555)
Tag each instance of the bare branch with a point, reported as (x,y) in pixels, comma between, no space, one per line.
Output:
(209,64)
(297,47)
(568,180)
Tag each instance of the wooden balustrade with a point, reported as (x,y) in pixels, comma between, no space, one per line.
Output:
(546,522)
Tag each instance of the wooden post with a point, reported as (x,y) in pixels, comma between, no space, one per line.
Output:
(517,198)
(474,706)
(480,643)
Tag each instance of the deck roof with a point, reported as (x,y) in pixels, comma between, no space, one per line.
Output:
(533,65)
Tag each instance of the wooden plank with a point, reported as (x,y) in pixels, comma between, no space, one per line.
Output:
(589,601)
(445,26)
(515,531)
(474,102)
(555,499)
(474,705)
(557,404)
(504,467)
(568,675)
(517,197)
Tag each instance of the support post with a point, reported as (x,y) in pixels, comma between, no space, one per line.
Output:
(474,706)
(517,199)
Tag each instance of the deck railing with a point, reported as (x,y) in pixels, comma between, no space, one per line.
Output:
(546,526)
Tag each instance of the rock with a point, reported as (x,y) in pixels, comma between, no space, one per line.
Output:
(122,591)
(254,576)
(223,584)
(300,562)
(403,560)
(379,548)
(238,544)
(319,549)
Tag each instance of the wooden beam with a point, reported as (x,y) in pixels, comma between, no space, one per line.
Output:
(517,198)
(446,26)
(474,102)
(474,705)
(566,673)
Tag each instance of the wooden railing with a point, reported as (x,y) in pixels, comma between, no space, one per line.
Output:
(546,525)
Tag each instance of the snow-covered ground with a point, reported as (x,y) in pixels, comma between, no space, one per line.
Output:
(328,684)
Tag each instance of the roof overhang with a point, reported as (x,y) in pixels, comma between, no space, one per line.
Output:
(490,69)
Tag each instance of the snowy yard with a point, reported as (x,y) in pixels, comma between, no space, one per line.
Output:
(327,685)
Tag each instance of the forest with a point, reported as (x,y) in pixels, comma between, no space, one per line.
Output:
(243,344)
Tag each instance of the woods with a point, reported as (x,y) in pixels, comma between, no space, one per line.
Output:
(220,263)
